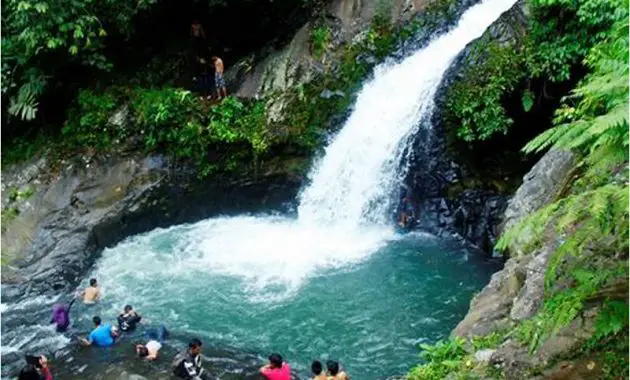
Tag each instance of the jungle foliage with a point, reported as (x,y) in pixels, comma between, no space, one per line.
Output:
(550,48)
(588,224)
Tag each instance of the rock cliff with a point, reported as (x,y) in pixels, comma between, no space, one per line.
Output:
(92,202)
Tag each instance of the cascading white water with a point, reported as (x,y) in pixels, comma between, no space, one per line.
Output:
(342,215)
(354,182)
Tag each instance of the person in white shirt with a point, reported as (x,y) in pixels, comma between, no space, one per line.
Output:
(150,349)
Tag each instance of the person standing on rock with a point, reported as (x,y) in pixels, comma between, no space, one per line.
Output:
(219,81)
(197,52)
(91,294)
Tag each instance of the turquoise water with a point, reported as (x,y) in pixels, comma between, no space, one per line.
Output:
(369,311)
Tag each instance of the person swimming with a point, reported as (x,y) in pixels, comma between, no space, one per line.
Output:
(103,335)
(150,349)
(187,364)
(61,316)
(318,371)
(91,294)
(128,319)
(334,373)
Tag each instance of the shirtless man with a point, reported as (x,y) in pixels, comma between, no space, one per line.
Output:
(91,294)
(219,82)
(318,371)
(334,373)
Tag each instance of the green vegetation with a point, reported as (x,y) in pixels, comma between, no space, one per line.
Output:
(44,39)
(443,358)
(59,34)
(176,122)
(8,214)
(218,138)
(492,340)
(589,223)
(551,50)
(475,103)
(320,38)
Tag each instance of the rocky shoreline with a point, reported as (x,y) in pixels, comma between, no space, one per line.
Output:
(94,202)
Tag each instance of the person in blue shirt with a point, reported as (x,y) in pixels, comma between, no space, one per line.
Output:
(104,335)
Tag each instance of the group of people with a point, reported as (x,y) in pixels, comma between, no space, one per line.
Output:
(185,365)
(201,65)
(277,369)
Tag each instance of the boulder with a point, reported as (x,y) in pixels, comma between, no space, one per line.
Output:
(293,64)
(530,298)
(489,310)
(483,356)
(541,186)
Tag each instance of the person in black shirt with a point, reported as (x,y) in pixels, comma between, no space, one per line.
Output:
(187,364)
(198,56)
(128,319)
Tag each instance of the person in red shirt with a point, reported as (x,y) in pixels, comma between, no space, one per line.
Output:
(37,371)
(276,369)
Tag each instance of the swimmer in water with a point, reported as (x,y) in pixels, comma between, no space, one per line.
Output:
(150,349)
(128,319)
(103,335)
(334,373)
(91,294)
(318,371)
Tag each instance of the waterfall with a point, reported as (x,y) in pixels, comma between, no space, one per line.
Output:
(343,218)
(358,178)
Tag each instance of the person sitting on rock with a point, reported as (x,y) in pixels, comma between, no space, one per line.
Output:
(276,369)
(334,373)
(150,349)
(128,319)
(103,335)
(91,294)
(318,370)
(187,364)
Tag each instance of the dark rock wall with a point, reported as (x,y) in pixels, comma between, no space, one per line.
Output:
(473,212)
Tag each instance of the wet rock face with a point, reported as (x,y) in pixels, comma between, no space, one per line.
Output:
(516,293)
(95,202)
(540,186)
(474,213)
